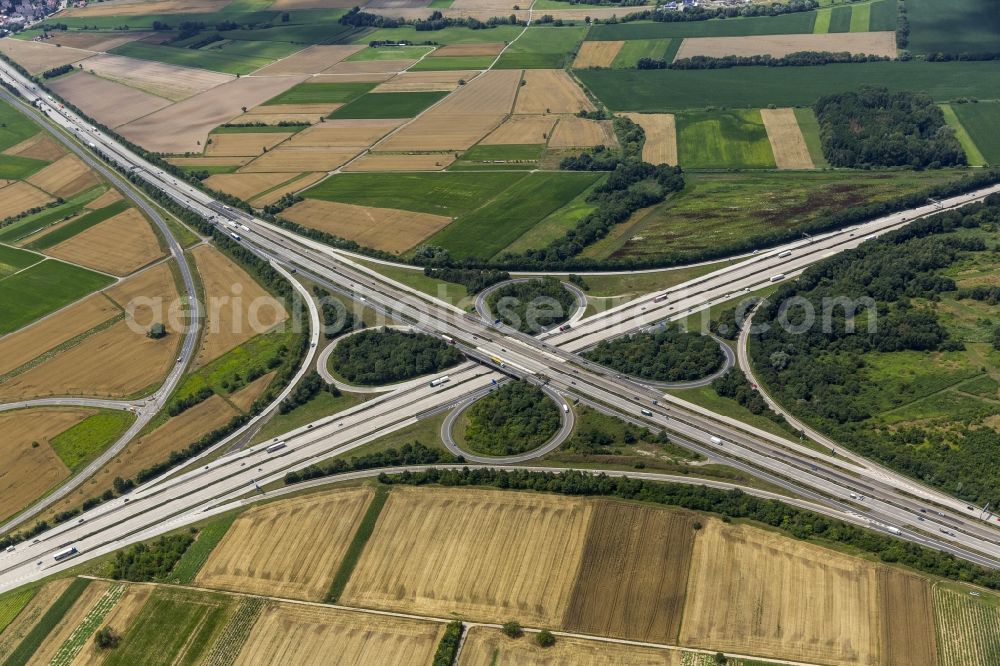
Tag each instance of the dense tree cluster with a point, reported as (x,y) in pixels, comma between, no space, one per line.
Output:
(821,374)
(669,355)
(308,388)
(106,638)
(729,322)
(335,317)
(447,648)
(152,562)
(532,306)
(383,356)
(435,21)
(797,59)
(57,71)
(473,279)
(408,454)
(730,504)
(689,14)
(875,128)
(515,418)
(735,385)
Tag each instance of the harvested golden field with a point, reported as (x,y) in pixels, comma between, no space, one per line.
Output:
(787,143)
(141,7)
(27,472)
(462,118)
(573,132)
(65,177)
(401,162)
(482,49)
(309,635)
(386,229)
(424,81)
(120,618)
(17,197)
(272,114)
(120,245)
(294,185)
(246,144)
(311,60)
(297,159)
(486,646)
(968,627)
(208,161)
(106,101)
(244,398)
(764,594)
(291,548)
(115,362)
(906,610)
(505,6)
(37,57)
(74,616)
(550,91)
(522,129)
(39,147)
(345,133)
(93,41)
(485,554)
(369,67)
(246,185)
(155,284)
(29,616)
(106,199)
(184,127)
(633,577)
(170,81)
(661,136)
(871,43)
(597,54)
(285,5)
(237,307)
(27,343)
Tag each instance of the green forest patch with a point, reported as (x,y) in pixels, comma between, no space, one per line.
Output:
(756,87)
(723,140)
(442,193)
(388,105)
(43,288)
(981,121)
(515,418)
(543,48)
(503,220)
(322,93)
(82,443)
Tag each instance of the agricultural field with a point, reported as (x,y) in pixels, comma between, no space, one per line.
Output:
(723,139)
(288,549)
(966,627)
(486,646)
(779,46)
(980,121)
(388,105)
(528,552)
(543,48)
(34,620)
(961,26)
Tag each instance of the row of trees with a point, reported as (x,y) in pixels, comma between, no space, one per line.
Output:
(408,454)
(731,504)
(435,21)
(689,14)
(669,355)
(797,59)
(57,71)
(515,418)
(821,372)
(875,128)
(473,279)
(386,355)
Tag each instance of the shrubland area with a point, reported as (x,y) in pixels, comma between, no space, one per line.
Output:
(515,418)
(386,355)
(668,355)
(532,306)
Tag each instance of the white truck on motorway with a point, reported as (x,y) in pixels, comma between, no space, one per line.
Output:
(778,278)
(715,440)
(277,446)
(439,381)
(894,530)
(65,554)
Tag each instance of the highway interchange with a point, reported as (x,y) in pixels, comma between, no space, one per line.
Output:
(844,486)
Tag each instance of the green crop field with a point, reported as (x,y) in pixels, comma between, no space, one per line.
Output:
(543,48)
(840,19)
(53,615)
(492,227)
(525,151)
(33,223)
(810,132)
(13,260)
(882,16)
(43,288)
(13,167)
(500,33)
(556,224)
(197,553)
(657,49)
(321,32)
(14,127)
(801,22)
(445,63)
(218,60)
(391,53)
(194,619)
(83,442)
(322,93)
(11,604)
(972,153)
(81,223)
(756,87)
(388,105)
(956,26)
(723,140)
(444,193)
(721,209)
(981,122)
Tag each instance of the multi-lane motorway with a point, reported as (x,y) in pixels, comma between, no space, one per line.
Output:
(842,485)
